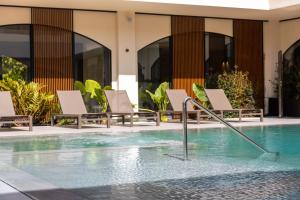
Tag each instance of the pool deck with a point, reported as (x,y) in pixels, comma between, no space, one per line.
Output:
(138,126)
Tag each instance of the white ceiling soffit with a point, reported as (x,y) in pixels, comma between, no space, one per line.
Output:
(279,10)
(275,4)
(247,4)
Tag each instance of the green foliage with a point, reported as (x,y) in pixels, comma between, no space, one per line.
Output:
(92,90)
(238,88)
(144,97)
(200,94)
(12,68)
(29,98)
(160,98)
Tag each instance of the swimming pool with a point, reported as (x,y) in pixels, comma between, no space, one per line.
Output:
(74,162)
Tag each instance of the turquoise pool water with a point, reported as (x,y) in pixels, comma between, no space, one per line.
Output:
(92,160)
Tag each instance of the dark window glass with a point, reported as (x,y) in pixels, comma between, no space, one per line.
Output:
(219,57)
(154,67)
(291,80)
(91,60)
(15,43)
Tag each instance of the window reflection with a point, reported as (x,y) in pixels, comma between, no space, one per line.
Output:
(292,70)
(15,43)
(154,67)
(291,80)
(218,57)
(91,60)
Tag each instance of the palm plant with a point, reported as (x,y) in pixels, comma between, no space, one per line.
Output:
(160,98)
(92,90)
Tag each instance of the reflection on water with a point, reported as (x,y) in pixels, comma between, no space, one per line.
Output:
(77,161)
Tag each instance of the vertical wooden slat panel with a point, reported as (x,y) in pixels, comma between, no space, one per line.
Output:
(188,52)
(248,42)
(52,43)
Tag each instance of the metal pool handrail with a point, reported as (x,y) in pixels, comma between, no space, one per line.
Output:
(221,120)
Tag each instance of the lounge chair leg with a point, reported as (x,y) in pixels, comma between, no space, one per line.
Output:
(52,121)
(123,119)
(222,114)
(157,119)
(240,115)
(198,117)
(261,115)
(30,123)
(79,122)
(131,120)
(108,120)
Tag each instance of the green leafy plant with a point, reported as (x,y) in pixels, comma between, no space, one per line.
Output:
(29,99)
(144,101)
(160,98)
(12,68)
(92,90)
(238,88)
(200,94)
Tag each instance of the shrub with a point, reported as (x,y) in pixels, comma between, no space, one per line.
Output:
(238,88)
(28,98)
(13,69)
(92,90)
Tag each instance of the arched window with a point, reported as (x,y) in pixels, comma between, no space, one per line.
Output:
(291,80)
(15,43)
(154,67)
(91,60)
(219,57)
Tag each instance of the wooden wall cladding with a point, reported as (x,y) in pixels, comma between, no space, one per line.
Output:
(188,52)
(52,44)
(248,41)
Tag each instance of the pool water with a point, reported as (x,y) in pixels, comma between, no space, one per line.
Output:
(93,160)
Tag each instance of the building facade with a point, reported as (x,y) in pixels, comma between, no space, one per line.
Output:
(135,50)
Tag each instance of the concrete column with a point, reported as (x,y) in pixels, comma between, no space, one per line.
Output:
(127,58)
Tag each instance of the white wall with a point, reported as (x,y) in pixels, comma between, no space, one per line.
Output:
(150,28)
(12,15)
(289,33)
(127,60)
(222,26)
(271,48)
(101,27)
